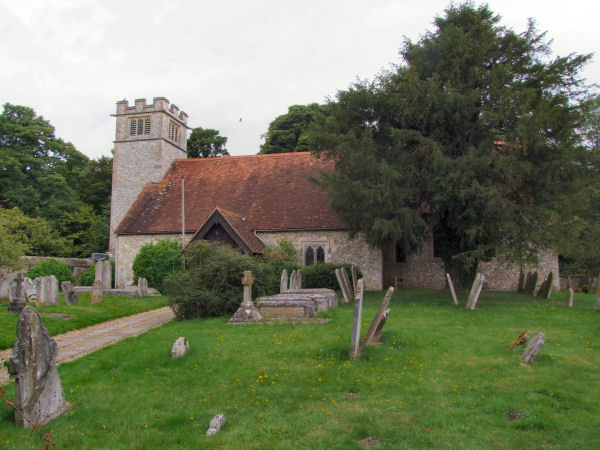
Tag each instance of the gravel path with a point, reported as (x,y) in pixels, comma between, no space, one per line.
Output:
(77,343)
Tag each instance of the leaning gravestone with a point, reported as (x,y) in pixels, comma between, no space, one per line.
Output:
(357,320)
(216,424)
(247,312)
(520,339)
(349,285)
(521,282)
(18,300)
(452,291)
(546,287)
(69,293)
(345,294)
(531,282)
(39,397)
(354,277)
(376,324)
(533,348)
(96,296)
(106,275)
(180,347)
(475,291)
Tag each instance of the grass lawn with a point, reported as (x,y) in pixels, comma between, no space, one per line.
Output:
(82,315)
(443,378)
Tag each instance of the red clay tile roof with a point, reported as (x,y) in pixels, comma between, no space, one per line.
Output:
(271,192)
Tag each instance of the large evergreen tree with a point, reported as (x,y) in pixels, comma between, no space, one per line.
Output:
(474,135)
(290,132)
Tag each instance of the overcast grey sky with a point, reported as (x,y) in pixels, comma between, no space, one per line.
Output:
(72,60)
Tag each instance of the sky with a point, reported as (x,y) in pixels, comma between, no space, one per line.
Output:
(231,65)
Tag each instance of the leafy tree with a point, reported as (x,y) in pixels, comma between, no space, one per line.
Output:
(206,143)
(290,132)
(93,184)
(87,231)
(473,136)
(155,261)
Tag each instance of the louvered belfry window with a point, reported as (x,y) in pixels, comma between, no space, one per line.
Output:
(139,126)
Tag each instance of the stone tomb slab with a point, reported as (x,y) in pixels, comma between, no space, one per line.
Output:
(326,298)
(286,308)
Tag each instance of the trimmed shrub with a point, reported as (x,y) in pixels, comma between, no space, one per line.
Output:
(322,275)
(156,261)
(211,285)
(87,277)
(51,266)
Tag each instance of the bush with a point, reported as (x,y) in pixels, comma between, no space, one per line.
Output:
(51,266)
(211,285)
(585,288)
(157,261)
(322,275)
(87,278)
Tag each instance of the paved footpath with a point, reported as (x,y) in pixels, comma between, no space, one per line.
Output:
(77,343)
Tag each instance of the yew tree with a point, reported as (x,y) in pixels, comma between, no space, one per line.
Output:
(473,136)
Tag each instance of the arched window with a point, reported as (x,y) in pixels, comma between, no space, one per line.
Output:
(309,256)
(320,254)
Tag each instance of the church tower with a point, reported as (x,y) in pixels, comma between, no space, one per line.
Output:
(147,140)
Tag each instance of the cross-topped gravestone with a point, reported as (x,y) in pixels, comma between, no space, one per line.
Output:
(247,312)
(18,301)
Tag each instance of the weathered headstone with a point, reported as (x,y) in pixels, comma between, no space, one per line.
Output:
(345,294)
(520,339)
(475,291)
(180,347)
(39,397)
(354,277)
(569,298)
(533,348)
(521,282)
(98,271)
(29,289)
(452,291)
(69,293)
(46,289)
(293,281)
(530,282)
(349,285)
(106,275)
(96,296)
(546,287)
(375,325)
(376,340)
(142,287)
(357,320)
(283,285)
(216,424)
(247,312)
(18,300)
(298,279)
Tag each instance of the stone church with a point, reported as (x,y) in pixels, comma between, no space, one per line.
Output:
(248,202)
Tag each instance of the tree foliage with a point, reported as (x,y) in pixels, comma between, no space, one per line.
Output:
(290,132)
(156,261)
(474,135)
(59,269)
(206,143)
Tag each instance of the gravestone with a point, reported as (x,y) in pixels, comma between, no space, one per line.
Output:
(569,297)
(521,282)
(356,321)
(345,294)
(17,302)
(546,287)
(29,289)
(349,285)
(376,324)
(98,271)
(180,347)
(354,277)
(142,284)
(293,281)
(96,296)
(216,424)
(46,289)
(597,304)
(376,340)
(247,312)
(452,291)
(530,282)
(475,291)
(283,285)
(69,293)
(520,339)
(39,397)
(106,275)
(533,348)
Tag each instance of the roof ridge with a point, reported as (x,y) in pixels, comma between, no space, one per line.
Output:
(260,155)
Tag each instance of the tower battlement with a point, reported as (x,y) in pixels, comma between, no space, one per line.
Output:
(158,104)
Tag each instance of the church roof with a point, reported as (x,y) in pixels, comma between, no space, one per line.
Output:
(269,192)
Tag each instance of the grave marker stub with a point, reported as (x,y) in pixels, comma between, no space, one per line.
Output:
(356,321)
(39,397)
(379,316)
(452,291)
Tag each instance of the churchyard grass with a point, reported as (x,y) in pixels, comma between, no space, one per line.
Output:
(82,314)
(443,378)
